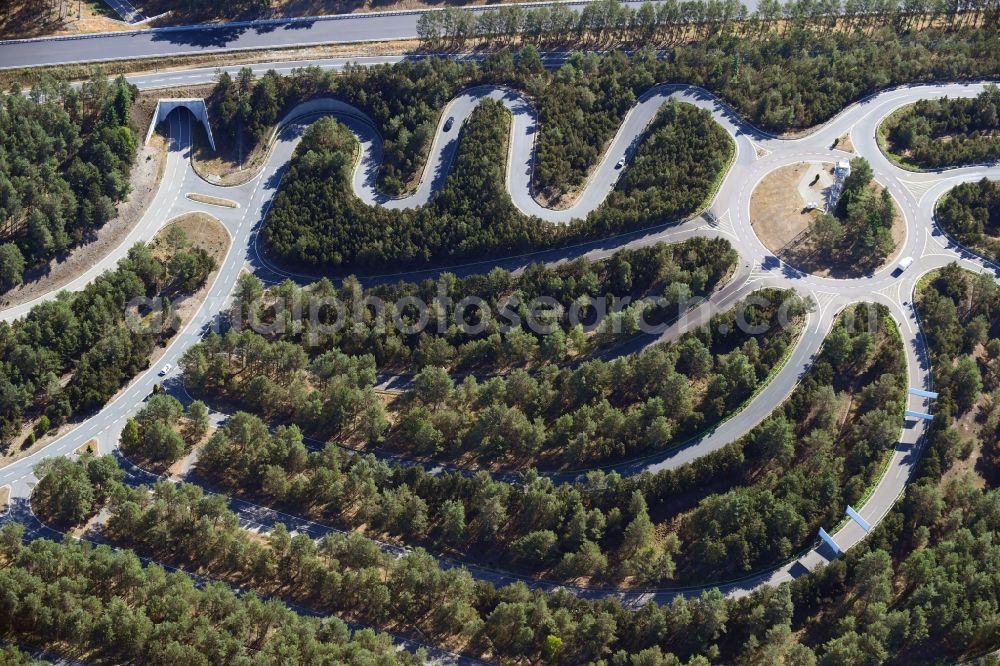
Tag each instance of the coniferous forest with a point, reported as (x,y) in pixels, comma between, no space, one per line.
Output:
(783,81)
(316,220)
(918,580)
(361,485)
(934,134)
(858,231)
(71,354)
(971,213)
(65,158)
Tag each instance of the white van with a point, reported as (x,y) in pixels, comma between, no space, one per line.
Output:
(904,263)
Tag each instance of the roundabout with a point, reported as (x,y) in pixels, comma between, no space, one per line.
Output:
(729,216)
(794,212)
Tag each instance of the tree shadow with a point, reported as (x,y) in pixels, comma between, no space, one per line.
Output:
(205,36)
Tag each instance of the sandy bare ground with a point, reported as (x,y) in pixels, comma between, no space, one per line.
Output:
(27,18)
(227,166)
(202,230)
(845,143)
(145,180)
(4,498)
(777,207)
(90,446)
(211,201)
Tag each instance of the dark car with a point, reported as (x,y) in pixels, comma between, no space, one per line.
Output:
(448,123)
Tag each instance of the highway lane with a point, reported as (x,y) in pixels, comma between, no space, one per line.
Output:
(729,215)
(158,43)
(209,38)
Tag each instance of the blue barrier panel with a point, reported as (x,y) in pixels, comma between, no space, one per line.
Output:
(829,541)
(919,415)
(865,525)
(924,394)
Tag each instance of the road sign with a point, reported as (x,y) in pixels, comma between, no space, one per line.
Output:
(865,525)
(829,541)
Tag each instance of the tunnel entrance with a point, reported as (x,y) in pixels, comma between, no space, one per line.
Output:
(195,105)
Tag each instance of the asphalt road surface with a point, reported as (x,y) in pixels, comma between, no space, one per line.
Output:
(199,39)
(757,154)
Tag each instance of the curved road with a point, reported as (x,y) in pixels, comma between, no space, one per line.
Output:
(757,154)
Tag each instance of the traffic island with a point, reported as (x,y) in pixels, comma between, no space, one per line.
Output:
(818,218)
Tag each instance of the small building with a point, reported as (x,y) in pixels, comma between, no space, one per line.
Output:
(843,169)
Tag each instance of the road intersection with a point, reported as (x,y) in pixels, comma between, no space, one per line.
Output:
(757,154)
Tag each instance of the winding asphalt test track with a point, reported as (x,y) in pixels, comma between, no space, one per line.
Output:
(757,154)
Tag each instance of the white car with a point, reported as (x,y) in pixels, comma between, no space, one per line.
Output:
(165,369)
(620,164)
(904,263)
